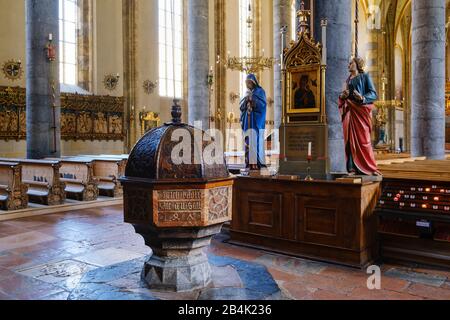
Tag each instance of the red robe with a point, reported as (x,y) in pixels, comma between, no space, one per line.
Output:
(357,123)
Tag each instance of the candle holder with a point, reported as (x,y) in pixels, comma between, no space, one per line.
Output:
(308,170)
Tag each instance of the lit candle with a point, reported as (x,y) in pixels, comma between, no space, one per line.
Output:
(50,37)
(309,149)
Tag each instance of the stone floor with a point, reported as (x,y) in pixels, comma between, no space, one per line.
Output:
(92,254)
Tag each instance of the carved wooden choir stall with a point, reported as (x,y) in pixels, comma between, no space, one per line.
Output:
(43,180)
(13,193)
(107,170)
(78,176)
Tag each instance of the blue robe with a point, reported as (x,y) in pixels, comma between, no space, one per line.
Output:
(257,123)
(364,85)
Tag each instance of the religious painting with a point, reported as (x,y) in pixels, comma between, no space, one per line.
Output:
(9,120)
(115,124)
(84,123)
(305,89)
(22,122)
(68,123)
(149,121)
(304,92)
(100,123)
(83,117)
(303,85)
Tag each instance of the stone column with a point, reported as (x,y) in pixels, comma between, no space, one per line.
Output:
(281,17)
(428,79)
(338,13)
(43,120)
(198,57)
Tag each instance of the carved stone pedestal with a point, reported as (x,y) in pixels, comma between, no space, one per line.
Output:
(179,262)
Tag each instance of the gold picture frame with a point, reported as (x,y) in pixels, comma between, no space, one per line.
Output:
(303,70)
(149,121)
(304,96)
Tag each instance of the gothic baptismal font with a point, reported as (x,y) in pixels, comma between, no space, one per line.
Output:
(217,150)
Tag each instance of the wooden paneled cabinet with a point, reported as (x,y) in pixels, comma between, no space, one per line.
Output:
(322,220)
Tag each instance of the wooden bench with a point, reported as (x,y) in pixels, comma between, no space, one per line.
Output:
(107,170)
(13,193)
(43,180)
(78,175)
(432,170)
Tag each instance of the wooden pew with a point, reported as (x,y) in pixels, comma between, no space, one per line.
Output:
(78,175)
(13,193)
(43,180)
(107,170)
(432,170)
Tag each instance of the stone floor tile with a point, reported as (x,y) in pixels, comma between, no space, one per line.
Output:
(26,288)
(328,295)
(8,229)
(283,276)
(60,296)
(417,277)
(289,264)
(362,293)
(429,292)
(10,261)
(108,257)
(340,286)
(58,272)
(296,291)
(99,235)
(225,277)
(434,271)
(23,240)
(181,296)
(24,223)
(4,296)
(6,273)
(394,284)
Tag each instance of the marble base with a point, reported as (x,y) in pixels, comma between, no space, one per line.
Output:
(231,279)
(178,262)
(177,274)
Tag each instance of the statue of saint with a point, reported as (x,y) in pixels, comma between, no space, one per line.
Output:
(304,97)
(253,121)
(356,105)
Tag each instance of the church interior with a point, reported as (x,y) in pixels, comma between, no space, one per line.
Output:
(107,193)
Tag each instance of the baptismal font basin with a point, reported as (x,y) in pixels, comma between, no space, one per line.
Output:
(177,206)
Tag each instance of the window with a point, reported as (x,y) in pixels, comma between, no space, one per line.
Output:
(170,15)
(245,36)
(68,19)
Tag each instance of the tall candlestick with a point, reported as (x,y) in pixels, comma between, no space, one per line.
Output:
(283,31)
(324,23)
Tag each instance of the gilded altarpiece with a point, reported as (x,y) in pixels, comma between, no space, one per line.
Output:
(83,117)
(304,116)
